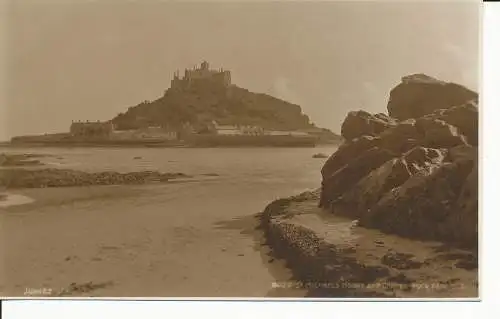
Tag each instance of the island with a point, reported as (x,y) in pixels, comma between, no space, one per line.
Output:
(201,108)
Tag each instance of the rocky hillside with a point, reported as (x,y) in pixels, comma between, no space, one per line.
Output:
(201,105)
(413,172)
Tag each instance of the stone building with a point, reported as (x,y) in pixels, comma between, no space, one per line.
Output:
(201,76)
(146,133)
(237,129)
(91,129)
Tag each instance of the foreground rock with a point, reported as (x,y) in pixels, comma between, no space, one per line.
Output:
(464,117)
(349,175)
(424,206)
(358,200)
(359,123)
(333,257)
(419,95)
(20,178)
(417,177)
(346,152)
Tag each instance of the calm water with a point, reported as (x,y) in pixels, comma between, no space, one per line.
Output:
(179,239)
(292,168)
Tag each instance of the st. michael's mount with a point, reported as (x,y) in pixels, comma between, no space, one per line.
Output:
(201,108)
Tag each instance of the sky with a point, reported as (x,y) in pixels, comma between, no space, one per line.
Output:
(90,60)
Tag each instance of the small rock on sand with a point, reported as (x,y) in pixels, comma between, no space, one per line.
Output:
(320,155)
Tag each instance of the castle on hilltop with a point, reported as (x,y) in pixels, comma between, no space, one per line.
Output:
(201,76)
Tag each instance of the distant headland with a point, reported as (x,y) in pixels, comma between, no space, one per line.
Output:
(200,109)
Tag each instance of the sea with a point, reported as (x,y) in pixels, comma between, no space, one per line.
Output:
(193,237)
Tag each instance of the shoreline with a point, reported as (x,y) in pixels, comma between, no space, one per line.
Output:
(332,256)
(111,146)
(202,141)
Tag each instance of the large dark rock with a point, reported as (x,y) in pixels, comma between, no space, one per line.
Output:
(415,176)
(346,152)
(465,118)
(401,138)
(424,206)
(346,177)
(357,201)
(396,140)
(463,224)
(359,123)
(462,152)
(418,95)
(437,133)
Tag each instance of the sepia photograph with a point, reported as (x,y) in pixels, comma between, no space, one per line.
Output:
(240,149)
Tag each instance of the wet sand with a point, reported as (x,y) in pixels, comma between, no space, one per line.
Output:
(149,241)
(184,238)
(7,200)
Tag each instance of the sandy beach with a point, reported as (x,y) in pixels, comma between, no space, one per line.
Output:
(181,239)
(132,248)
